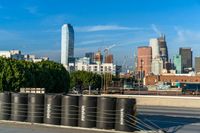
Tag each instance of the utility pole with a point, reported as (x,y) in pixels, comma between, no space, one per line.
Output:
(141,71)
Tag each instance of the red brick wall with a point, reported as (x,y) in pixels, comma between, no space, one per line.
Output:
(152,79)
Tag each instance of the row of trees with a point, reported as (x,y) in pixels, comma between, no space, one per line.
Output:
(16,74)
(83,79)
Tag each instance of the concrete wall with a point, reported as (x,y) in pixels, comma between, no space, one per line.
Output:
(171,101)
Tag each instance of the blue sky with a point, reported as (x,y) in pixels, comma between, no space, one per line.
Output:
(33,26)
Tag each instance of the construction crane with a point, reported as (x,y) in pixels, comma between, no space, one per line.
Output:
(124,64)
(106,50)
(107,76)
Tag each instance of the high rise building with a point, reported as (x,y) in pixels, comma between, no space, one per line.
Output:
(163,48)
(98,57)
(178,63)
(154,44)
(144,60)
(157,66)
(109,58)
(197,65)
(90,55)
(67,44)
(186,58)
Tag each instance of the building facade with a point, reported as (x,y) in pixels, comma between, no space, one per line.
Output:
(163,48)
(17,55)
(90,55)
(157,66)
(108,58)
(83,64)
(98,57)
(154,44)
(67,44)
(197,65)
(186,58)
(177,63)
(13,54)
(144,60)
(174,78)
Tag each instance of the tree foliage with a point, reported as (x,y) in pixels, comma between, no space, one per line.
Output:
(16,74)
(83,79)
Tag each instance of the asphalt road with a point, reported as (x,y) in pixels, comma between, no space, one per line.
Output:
(172,120)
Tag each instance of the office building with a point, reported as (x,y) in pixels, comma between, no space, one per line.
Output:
(144,60)
(17,55)
(157,66)
(108,58)
(90,55)
(83,64)
(177,63)
(186,58)
(67,44)
(163,49)
(197,65)
(98,57)
(154,44)
(13,54)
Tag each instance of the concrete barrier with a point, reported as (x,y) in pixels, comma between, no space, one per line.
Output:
(171,101)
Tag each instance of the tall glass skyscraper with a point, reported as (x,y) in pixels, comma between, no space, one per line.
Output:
(67,44)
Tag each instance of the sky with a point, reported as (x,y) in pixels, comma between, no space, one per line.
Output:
(34,26)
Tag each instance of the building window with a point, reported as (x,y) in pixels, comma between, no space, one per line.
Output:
(83,68)
(105,68)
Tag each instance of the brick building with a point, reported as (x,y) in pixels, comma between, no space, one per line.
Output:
(144,60)
(154,79)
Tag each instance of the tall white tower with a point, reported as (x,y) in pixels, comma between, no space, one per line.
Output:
(67,44)
(154,44)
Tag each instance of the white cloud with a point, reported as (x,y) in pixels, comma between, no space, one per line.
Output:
(155,29)
(88,42)
(104,28)
(187,36)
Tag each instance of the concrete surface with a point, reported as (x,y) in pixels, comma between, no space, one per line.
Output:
(24,127)
(170,101)
(170,119)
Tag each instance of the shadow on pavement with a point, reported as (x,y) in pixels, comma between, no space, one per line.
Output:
(168,123)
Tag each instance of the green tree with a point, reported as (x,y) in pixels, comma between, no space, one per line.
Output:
(15,74)
(83,79)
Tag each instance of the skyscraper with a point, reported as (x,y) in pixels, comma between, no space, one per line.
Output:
(157,66)
(144,60)
(177,63)
(67,44)
(163,48)
(154,44)
(90,55)
(98,57)
(186,58)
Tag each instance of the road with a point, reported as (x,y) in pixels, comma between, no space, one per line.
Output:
(171,119)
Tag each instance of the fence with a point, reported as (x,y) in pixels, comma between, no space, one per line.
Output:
(71,110)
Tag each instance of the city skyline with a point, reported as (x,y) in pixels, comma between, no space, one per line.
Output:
(33,28)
